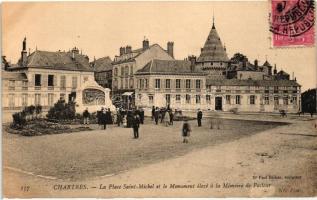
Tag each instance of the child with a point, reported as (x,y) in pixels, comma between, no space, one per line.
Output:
(186,131)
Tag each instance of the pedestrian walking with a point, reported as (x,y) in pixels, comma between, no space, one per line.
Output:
(186,131)
(199,117)
(119,118)
(108,117)
(141,116)
(156,115)
(153,113)
(104,119)
(86,116)
(171,117)
(162,115)
(99,117)
(136,126)
(167,119)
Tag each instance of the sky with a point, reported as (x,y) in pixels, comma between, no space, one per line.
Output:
(101,28)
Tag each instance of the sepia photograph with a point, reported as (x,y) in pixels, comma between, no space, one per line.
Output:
(145,99)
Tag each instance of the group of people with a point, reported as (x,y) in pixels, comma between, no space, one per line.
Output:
(166,115)
(133,118)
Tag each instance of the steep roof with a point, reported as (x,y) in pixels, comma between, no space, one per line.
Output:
(213,49)
(102,64)
(58,61)
(135,53)
(238,82)
(170,67)
(13,75)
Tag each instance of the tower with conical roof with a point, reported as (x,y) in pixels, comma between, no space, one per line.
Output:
(213,57)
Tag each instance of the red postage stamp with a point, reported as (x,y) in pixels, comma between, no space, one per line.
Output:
(292,23)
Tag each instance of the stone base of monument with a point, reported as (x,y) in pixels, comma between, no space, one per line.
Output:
(93,97)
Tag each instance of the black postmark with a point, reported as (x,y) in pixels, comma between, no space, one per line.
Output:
(292,18)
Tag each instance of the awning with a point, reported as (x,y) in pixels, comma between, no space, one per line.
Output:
(127,94)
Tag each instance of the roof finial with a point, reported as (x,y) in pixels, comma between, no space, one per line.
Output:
(213,21)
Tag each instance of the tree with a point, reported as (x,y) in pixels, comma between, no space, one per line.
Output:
(309,101)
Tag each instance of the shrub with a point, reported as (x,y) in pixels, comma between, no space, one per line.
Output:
(62,111)
(19,120)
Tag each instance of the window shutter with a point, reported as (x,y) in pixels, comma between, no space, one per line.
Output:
(55,80)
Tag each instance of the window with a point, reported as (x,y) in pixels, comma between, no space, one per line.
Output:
(187,98)
(11,84)
(150,99)
(252,99)
(141,83)
(37,80)
(11,101)
(168,98)
(208,99)
(197,84)
(63,82)
(121,83)
(126,83)
(50,80)
(275,89)
(178,98)
(131,70)
(115,71)
(228,99)
(178,83)
(187,83)
(198,99)
(266,100)
(146,83)
(276,101)
(122,71)
(131,82)
(157,83)
(168,83)
(24,85)
(126,71)
(285,100)
(294,100)
(37,100)
(74,82)
(50,99)
(24,100)
(238,99)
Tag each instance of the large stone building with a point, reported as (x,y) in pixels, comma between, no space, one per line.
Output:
(128,62)
(103,71)
(215,82)
(43,77)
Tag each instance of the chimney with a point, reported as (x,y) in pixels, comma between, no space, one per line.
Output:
(192,60)
(122,51)
(24,53)
(128,49)
(256,64)
(75,51)
(275,71)
(170,49)
(146,44)
(244,63)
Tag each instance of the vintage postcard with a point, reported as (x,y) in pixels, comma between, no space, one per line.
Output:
(159,99)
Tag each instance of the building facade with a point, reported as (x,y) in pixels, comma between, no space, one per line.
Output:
(103,71)
(173,83)
(42,78)
(126,65)
(215,82)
